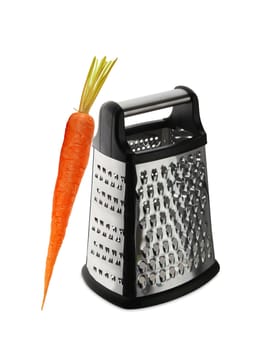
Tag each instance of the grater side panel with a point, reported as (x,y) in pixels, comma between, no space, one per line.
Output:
(173,233)
(106,224)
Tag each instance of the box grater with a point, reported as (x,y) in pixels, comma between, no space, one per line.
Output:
(150,237)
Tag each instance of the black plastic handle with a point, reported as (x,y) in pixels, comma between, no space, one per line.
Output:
(154,102)
(111,136)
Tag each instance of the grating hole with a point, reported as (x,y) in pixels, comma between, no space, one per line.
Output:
(160,188)
(162,261)
(150,190)
(165,246)
(153,220)
(171,259)
(162,275)
(156,204)
(159,233)
(163,218)
(149,236)
(146,207)
(172,271)
(181,268)
(154,174)
(156,249)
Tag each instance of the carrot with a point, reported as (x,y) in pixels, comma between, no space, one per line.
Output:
(74,157)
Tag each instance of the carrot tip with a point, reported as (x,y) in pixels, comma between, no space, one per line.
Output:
(42,305)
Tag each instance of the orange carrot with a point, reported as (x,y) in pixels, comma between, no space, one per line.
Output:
(74,157)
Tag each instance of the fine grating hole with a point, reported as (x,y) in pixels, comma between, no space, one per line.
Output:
(113,278)
(138,143)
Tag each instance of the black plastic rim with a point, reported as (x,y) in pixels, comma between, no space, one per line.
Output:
(154,299)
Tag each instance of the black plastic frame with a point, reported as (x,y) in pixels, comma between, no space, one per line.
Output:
(153,299)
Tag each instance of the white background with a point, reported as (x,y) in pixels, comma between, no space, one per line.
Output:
(214,47)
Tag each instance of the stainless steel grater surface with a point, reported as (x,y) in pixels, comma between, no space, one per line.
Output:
(106,227)
(173,235)
(150,236)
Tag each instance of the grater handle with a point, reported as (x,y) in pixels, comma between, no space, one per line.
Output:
(111,137)
(154,102)
(185,111)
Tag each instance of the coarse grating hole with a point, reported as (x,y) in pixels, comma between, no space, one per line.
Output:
(159,233)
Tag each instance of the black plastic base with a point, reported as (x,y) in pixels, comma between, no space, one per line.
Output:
(150,300)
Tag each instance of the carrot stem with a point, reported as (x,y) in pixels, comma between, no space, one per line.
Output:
(96,77)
